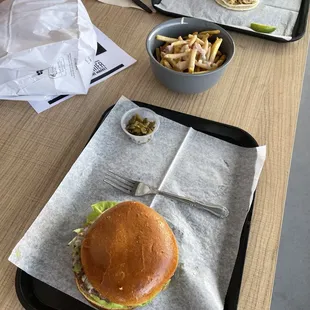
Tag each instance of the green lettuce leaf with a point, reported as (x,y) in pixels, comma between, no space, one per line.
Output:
(77,268)
(106,304)
(78,230)
(98,209)
(110,305)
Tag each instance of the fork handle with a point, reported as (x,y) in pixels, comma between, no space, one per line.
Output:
(219,211)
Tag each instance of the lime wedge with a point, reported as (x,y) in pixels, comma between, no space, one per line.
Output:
(263,28)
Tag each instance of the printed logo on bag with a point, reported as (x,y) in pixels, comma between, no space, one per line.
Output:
(58,70)
(98,67)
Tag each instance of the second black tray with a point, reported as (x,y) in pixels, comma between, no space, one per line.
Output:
(36,295)
(298,31)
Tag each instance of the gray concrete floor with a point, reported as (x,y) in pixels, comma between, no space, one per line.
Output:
(292,283)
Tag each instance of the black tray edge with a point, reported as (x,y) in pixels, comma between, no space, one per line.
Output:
(33,303)
(298,30)
(29,302)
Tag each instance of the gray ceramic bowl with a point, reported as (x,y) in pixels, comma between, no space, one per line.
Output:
(185,82)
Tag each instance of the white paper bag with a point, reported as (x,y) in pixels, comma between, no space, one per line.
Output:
(46,48)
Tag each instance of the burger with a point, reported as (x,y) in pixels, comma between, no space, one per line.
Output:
(124,255)
(238,5)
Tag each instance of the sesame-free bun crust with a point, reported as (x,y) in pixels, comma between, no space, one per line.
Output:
(129,254)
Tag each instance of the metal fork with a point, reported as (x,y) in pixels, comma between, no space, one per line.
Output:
(137,188)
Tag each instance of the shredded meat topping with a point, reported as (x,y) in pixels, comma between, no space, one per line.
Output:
(236,2)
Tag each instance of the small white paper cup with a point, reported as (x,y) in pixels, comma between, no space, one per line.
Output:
(144,113)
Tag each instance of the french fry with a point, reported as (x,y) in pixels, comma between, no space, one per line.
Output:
(185,48)
(221,60)
(202,65)
(210,32)
(167,64)
(182,65)
(197,40)
(192,59)
(213,68)
(165,39)
(180,42)
(208,53)
(205,46)
(176,49)
(175,56)
(193,54)
(172,63)
(215,47)
(192,40)
(158,57)
(186,57)
(203,36)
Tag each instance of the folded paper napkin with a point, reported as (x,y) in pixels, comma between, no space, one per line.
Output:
(127,3)
(180,160)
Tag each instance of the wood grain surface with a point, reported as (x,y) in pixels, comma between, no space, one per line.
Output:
(260,92)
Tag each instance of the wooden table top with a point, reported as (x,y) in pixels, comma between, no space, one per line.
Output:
(260,92)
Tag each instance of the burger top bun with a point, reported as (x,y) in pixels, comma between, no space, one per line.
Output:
(129,254)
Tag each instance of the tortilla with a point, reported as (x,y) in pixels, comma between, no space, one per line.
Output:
(238,7)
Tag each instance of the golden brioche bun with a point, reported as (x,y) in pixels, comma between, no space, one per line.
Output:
(129,254)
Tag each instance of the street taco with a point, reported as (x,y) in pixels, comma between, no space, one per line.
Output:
(238,5)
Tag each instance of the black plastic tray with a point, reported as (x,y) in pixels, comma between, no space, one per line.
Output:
(36,295)
(298,31)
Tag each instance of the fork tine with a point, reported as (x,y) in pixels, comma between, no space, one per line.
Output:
(123,189)
(121,177)
(118,182)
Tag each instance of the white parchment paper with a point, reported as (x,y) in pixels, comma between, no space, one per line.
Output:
(279,13)
(179,160)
